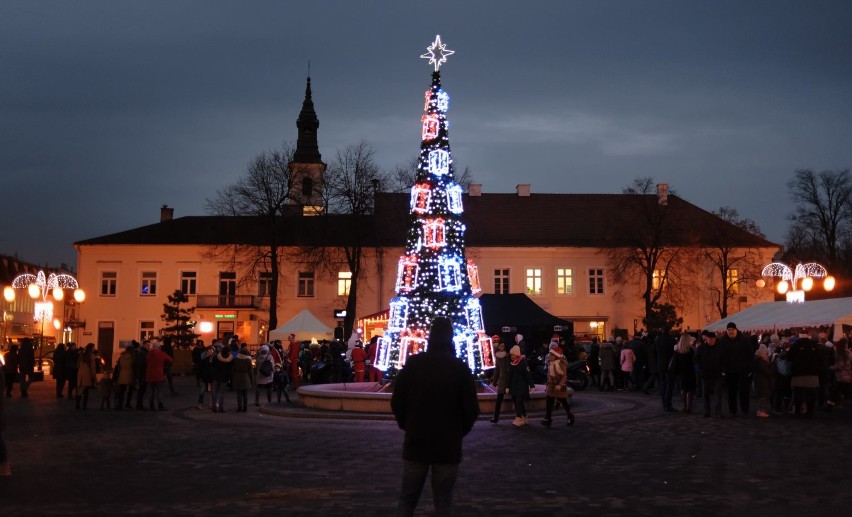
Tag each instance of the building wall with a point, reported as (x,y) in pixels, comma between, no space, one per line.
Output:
(128,308)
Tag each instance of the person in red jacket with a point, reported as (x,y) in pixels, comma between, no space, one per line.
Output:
(359,361)
(155,373)
(293,355)
(372,353)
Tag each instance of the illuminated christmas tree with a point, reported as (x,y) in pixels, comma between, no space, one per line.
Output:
(434,278)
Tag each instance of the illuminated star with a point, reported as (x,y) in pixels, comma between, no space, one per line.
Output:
(438,53)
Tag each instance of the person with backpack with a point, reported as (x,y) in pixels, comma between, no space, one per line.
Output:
(264,372)
(205,374)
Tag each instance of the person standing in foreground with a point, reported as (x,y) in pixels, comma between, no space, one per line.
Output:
(5,469)
(434,402)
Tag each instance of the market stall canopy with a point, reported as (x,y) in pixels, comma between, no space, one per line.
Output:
(305,325)
(517,311)
(776,316)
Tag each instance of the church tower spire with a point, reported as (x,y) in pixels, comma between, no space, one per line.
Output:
(307,169)
(307,149)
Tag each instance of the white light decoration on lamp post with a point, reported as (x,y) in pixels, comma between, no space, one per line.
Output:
(794,283)
(39,286)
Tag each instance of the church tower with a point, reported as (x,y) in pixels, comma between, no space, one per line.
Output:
(307,169)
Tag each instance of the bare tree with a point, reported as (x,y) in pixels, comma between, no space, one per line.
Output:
(641,253)
(350,184)
(823,215)
(726,257)
(263,192)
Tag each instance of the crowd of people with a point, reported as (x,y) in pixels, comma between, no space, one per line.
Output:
(790,372)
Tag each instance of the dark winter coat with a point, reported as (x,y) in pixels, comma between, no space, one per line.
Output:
(26,361)
(11,364)
(140,363)
(664,349)
(739,353)
(710,360)
(684,368)
(501,371)
(241,372)
(762,378)
(518,379)
(222,365)
(206,370)
(804,357)
(2,401)
(434,402)
(607,355)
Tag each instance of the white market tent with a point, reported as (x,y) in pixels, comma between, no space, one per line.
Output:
(305,325)
(776,316)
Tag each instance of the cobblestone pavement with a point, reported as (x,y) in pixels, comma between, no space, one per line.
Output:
(624,456)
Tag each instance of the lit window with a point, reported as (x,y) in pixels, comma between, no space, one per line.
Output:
(564,281)
(149,283)
(733,281)
(146,330)
(596,281)
(534,282)
(344,282)
(264,284)
(188,282)
(501,281)
(658,280)
(109,280)
(306,284)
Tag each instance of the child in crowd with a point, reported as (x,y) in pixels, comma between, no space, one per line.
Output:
(762,380)
(105,388)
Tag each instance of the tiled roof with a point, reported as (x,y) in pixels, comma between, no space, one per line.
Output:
(572,220)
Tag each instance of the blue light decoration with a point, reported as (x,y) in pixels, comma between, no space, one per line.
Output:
(439,162)
(454,199)
(398,314)
(434,277)
(449,274)
(383,353)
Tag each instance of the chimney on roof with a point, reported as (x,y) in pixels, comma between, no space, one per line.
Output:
(475,189)
(523,190)
(166,213)
(663,194)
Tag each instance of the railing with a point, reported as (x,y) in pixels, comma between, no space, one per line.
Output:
(216,301)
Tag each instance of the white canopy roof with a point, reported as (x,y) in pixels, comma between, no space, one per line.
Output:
(305,325)
(773,316)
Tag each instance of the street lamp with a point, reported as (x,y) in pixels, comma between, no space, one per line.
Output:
(795,282)
(9,295)
(38,286)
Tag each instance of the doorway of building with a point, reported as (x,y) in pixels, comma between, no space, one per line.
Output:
(106,340)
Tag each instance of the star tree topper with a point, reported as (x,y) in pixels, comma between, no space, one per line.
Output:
(438,53)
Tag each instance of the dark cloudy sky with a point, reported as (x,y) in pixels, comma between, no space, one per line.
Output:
(110,109)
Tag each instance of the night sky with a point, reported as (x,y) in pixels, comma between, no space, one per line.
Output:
(111,109)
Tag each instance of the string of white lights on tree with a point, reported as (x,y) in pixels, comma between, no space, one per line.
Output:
(434,278)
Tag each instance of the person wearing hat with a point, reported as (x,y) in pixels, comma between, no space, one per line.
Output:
(434,402)
(518,384)
(359,361)
(557,385)
(739,355)
(498,378)
(709,359)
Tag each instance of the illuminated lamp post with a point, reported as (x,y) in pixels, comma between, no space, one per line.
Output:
(794,283)
(9,295)
(39,286)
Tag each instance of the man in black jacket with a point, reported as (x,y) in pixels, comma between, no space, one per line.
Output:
(710,363)
(739,355)
(434,402)
(664,348)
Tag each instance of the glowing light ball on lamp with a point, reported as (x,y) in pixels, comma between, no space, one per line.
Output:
(79,295)
(9,293)
(782,287)
(34,291)
(206,327)
(761,283)
(829,283)
(58,294)
(807,283)
(57,324)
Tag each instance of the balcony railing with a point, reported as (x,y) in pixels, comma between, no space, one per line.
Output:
(237,301)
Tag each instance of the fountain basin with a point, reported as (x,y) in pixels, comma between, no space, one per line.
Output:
(371,397)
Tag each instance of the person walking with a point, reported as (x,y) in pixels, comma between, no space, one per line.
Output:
(264,373)
(241,377)
(739,355)
(155,374)
(124,365)
(87,376)
(628,359)
(26,366)
(556,390)
(499,379)
(167,349)
(223,361)
(684,369)
(805,365)
(140,369)
(762,379)
(5,468)
(293,356)
(205,376)
(10,368)
(710,361)
(359,361)
(607,359)
(69,368)
(664,348)
(434,402)
(57,371)
(518,384)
